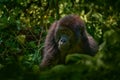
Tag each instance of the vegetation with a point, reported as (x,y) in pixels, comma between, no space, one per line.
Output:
(24,25)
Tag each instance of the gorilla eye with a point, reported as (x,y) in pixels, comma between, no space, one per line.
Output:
(65,32)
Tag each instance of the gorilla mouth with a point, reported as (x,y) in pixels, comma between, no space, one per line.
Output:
(64,47)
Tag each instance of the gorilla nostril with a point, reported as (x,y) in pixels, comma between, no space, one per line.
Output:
(63,40)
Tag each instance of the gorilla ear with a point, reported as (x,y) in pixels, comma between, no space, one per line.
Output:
(82,29)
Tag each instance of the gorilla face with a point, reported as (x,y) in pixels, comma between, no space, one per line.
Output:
(64,38)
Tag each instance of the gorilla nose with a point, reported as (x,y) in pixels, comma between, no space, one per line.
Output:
(63,40)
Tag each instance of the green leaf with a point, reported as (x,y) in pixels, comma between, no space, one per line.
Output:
(21,38)
(77,58)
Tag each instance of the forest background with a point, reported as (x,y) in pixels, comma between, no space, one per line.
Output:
(23,28)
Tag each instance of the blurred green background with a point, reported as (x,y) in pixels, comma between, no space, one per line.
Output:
(24,25)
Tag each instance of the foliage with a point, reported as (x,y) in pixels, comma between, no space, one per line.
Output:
(24,25)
